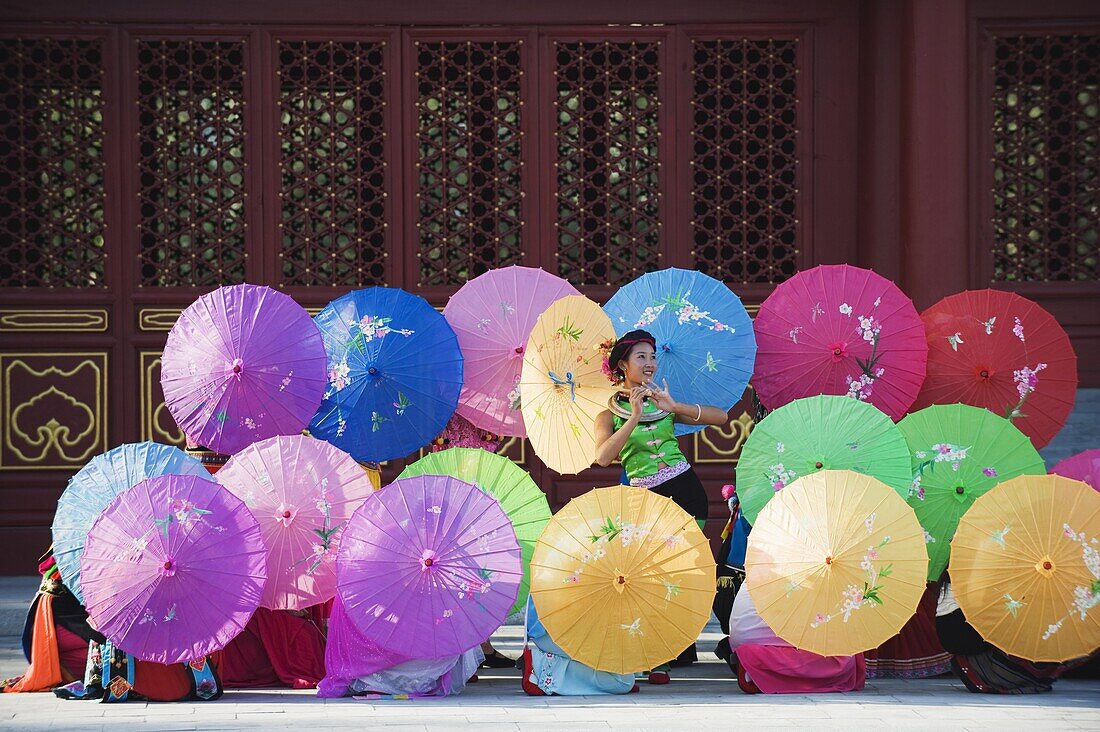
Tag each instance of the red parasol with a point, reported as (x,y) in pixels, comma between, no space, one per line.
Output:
(1000,351)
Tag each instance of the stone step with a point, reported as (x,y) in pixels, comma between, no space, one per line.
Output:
(16,595)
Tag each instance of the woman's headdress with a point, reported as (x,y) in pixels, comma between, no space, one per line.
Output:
(617,351)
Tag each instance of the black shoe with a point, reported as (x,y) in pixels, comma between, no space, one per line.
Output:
(686,658)
(496,659)
(722,650)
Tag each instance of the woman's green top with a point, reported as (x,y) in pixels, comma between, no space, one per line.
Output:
(649,445)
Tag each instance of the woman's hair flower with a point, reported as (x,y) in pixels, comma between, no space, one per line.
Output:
(605,365)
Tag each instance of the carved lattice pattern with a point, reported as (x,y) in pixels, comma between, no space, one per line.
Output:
(332,162)
(191,162)
(1046,136)
(52,192)
(744,166)
(469,158)
(606,108)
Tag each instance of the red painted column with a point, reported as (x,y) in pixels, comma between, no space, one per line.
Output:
(934,200)
(880,31)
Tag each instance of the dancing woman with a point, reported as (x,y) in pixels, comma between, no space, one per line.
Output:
(639,428)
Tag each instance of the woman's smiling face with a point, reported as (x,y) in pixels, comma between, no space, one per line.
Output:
(640,364)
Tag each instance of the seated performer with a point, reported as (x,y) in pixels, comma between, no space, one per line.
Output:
(768,664)
(355,665)
(276,647)
(62,648)
(983,668)
(915,652)
(547,670)
(460,432)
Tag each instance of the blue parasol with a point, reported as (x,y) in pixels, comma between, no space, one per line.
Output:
(394,374)
(705,344)
(96,485)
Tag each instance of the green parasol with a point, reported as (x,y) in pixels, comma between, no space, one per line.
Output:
(819,433)
(959,452)
(522,500)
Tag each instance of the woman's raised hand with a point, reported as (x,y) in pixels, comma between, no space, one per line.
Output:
(637,400)
(660,396)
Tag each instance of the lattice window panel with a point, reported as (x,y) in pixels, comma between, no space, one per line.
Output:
(1046,139)
(607,133)
(331,130)
(191,162)
(52,193)
(744,163)
(469,167)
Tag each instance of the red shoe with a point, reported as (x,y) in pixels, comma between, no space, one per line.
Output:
(634,689)
(472,679)
(746,684)
(659,677)
(529,687)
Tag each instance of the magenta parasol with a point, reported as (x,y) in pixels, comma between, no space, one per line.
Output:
(837,329)
(429,563)
(1084,466)
(173,569)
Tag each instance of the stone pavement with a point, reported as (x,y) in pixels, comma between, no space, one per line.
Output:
(704,694)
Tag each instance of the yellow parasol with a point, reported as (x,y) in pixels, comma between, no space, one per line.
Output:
(1025,567)
(622,579)
(836,563)
(562,385)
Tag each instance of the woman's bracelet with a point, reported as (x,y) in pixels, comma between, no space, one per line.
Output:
(700,414)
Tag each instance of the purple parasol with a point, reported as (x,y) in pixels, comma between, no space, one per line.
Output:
(242,364)
(173,569)
(429,563)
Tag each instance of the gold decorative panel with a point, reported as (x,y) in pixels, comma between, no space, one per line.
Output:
(722,444)
(54,409)
(157,320)
(29,320)
(156,423)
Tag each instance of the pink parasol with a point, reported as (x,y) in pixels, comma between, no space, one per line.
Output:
(242,364)
(173,569)
(493,315)
(429,563)
(302,491)
(1084,466)
(837,329)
